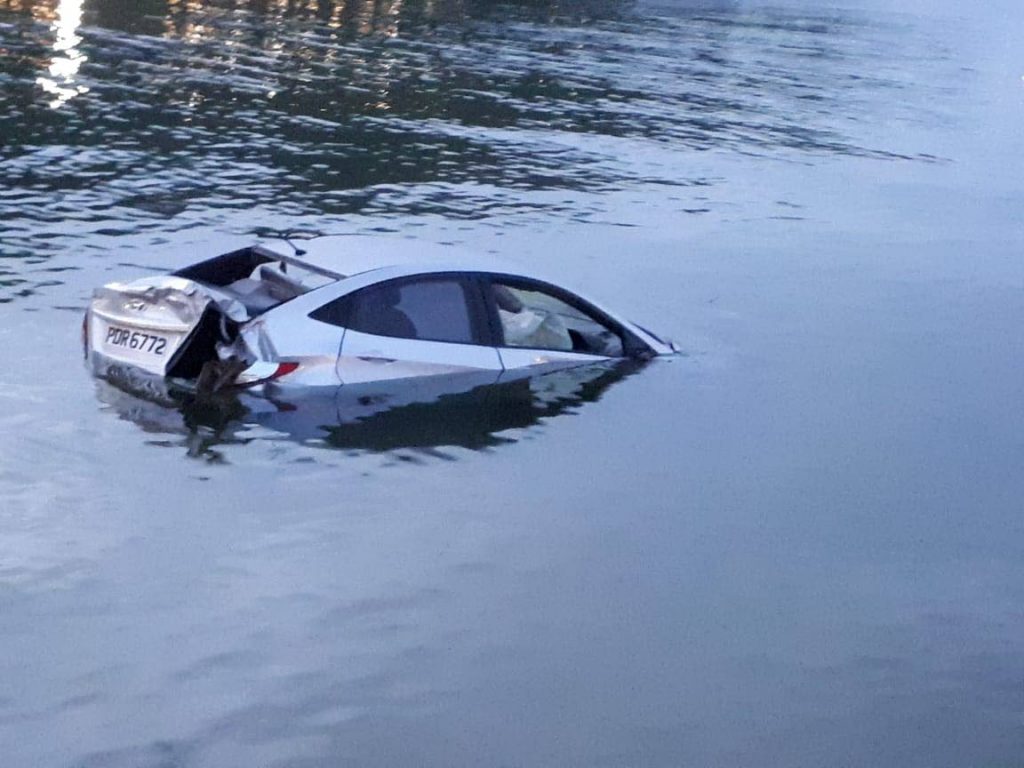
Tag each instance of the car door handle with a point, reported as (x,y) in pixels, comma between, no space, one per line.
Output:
(376,359)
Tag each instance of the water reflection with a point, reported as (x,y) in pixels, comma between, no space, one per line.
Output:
(67,58)
(197,114)
(477,411)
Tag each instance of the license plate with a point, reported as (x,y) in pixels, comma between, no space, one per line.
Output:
(145,342)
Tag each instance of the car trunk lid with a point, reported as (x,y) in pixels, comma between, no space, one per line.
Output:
(165,325)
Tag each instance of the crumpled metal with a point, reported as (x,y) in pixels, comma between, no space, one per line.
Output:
(164,300)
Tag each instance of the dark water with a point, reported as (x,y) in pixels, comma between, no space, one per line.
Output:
(800,544)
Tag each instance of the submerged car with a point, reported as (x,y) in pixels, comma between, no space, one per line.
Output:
(345,311)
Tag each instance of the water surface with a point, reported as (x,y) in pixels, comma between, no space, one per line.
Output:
(798,544)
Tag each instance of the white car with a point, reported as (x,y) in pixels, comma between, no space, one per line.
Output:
(344,311)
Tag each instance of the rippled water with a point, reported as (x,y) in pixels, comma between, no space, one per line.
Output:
(799,544)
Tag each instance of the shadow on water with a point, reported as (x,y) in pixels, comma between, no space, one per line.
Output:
(478,412)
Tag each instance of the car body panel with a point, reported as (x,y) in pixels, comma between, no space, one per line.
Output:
(366,357)
(521,357)
(285,338)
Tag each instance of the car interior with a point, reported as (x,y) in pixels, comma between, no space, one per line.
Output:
(538,320)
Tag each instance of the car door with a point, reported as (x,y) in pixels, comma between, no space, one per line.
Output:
(539,325)
(426,325)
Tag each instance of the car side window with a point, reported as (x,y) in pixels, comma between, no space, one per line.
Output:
(535,318)
(427,310)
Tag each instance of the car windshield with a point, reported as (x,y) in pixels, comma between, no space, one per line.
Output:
(534,318)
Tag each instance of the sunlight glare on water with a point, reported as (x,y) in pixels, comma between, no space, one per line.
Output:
(67,59)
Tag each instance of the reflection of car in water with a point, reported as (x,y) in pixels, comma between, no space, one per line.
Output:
(359,311)
(461,410)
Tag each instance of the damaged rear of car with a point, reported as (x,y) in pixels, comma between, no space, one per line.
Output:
(197,324)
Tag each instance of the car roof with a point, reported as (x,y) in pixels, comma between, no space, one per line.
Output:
(352,255)
(355,254)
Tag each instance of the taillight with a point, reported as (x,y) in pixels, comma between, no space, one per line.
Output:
(261,373)
(283,369)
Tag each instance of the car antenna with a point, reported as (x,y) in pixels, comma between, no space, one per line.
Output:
(287,234)
(298,251)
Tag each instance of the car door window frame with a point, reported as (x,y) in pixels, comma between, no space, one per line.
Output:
(486,281)
(339,311)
